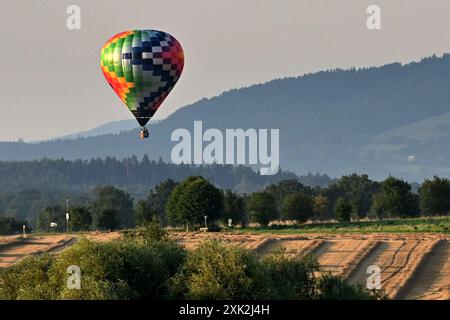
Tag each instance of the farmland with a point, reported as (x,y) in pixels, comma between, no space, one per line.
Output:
(412,265)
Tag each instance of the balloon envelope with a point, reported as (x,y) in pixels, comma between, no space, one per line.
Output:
(142,66)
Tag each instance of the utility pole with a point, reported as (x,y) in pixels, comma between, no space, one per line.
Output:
(67,214)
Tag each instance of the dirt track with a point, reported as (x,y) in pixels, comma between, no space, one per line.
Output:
(14,249)
(413,266)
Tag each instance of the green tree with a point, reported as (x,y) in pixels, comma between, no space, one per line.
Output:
(332,193)
(358,189)
(343,210)
(51,215)
(158,198)
(234,207)
(143,212)
(9,225)
(262,207)
(80,218)
(434,196)
(193,199)
(320,205)
(112,198)
(285,187)
(215,270)
(176,213)
(108,220)
(396,199)
(379,207)
(297,206)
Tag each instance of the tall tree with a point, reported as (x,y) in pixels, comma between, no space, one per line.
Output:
(143,212)
(297,206)
(262,207)
(358,189)
(379,206)
(396,199)
(115,199)
(434,196)
(108,219)
(285,187)
(80,218)
(320,205)
(193,199)
(52,216)
(10,225)
(234,208)
(158,198)
(343,210)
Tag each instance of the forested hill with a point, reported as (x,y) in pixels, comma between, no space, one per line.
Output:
(384,120)
(27,187)
(131,174)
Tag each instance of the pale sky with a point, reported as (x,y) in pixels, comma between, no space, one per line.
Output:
(51,82)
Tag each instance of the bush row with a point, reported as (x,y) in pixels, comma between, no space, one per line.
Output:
(143,267)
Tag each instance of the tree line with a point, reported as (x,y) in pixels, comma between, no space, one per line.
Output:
(195,201)
(28,187)
(131,174)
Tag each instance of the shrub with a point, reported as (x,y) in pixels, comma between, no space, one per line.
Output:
(214,227)
(333,288)
(136,269)
(28,279)
(289,278)
(218,271)
(147,232)
(116,270)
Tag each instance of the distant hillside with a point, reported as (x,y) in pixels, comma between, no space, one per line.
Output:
(107,128)
(370,120)
(133,173)
(28,187)
(420,131)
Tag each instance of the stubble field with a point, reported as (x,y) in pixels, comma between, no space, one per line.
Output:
(413,266)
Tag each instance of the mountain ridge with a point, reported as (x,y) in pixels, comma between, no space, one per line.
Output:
(329,121)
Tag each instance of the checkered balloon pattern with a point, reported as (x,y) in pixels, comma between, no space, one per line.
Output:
(142,66)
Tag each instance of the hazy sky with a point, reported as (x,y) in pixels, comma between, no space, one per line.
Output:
(51,82)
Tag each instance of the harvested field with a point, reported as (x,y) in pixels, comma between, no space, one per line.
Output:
(15,250)
(413,266)
(397,261)
(431,279)
(294,247)
(342,257)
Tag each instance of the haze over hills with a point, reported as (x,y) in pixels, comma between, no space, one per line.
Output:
(107,128)
(393,119)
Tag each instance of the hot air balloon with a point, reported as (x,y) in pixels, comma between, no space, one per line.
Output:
(142,67)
